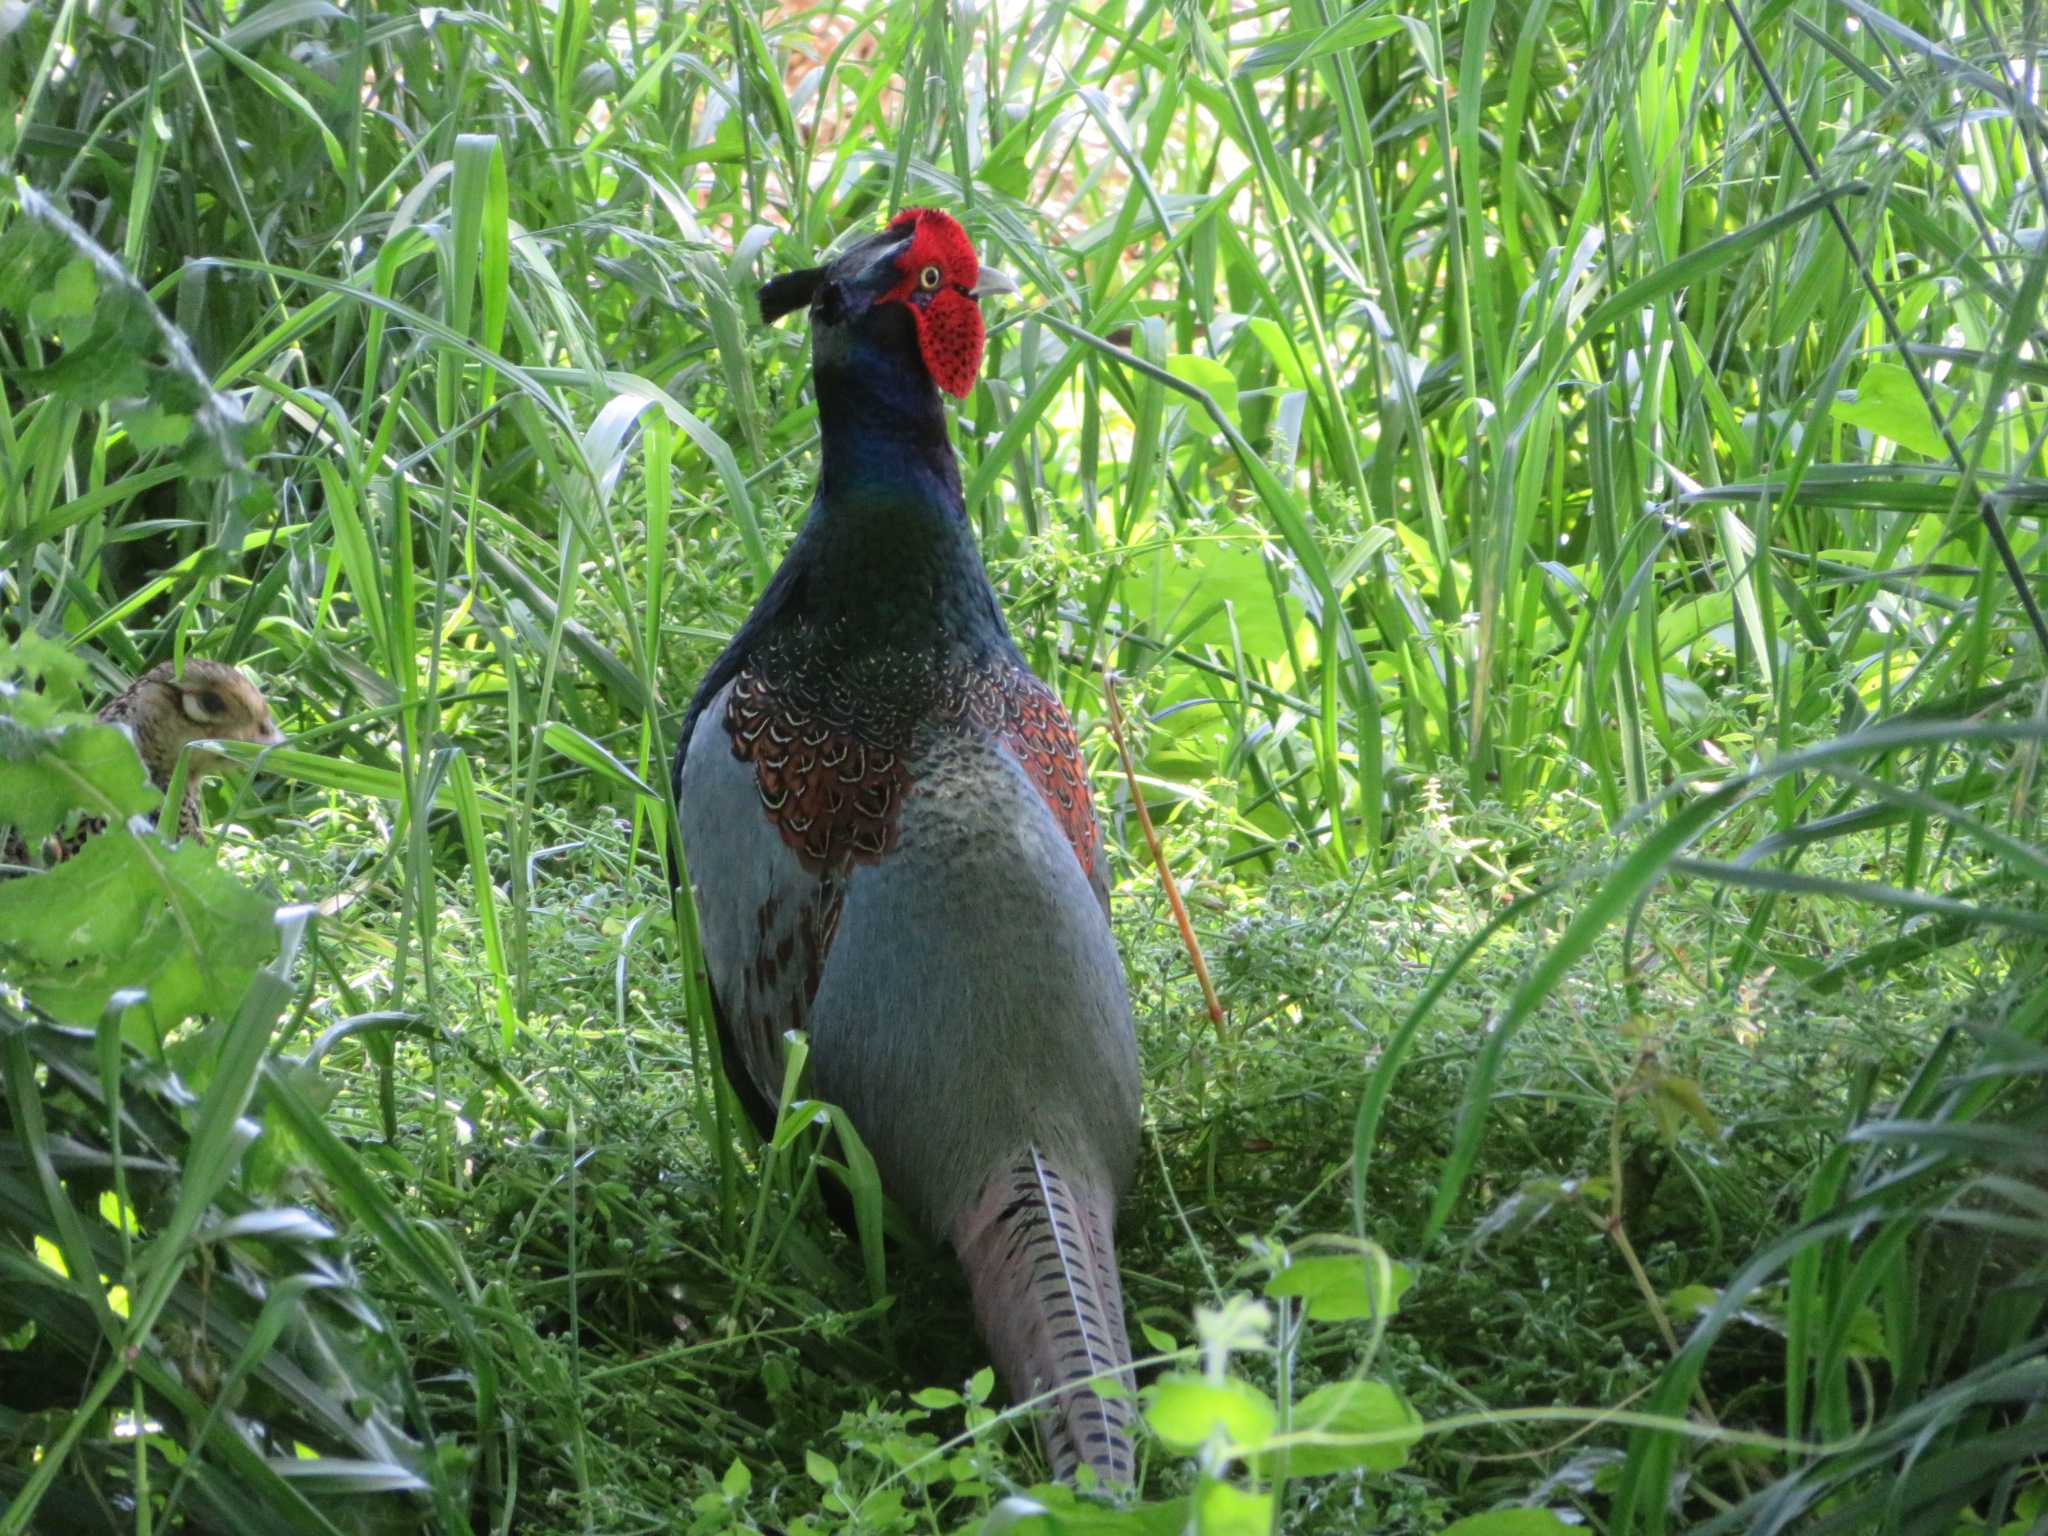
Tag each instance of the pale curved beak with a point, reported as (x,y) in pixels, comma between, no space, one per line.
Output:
(991,281)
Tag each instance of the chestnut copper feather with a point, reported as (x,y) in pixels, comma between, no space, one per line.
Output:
(833,779)
(833,795)
(1034,725)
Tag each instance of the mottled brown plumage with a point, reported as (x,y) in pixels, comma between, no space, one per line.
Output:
(164,711)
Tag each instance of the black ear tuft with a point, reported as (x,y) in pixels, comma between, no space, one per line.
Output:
(792,290)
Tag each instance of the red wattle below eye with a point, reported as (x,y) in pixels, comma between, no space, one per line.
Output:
(950,335)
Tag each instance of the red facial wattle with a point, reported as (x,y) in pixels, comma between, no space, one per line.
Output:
(949,327)
(950,335)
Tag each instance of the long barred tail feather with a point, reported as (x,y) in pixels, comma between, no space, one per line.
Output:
(1040,1256)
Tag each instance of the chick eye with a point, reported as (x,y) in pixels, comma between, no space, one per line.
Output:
(929,279)
(203,705)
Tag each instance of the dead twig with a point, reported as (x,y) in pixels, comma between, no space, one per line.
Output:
(1180,911)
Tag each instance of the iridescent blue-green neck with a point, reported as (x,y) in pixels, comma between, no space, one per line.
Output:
(890,548)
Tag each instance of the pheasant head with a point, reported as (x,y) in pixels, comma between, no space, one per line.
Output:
(167,710)
(909,295)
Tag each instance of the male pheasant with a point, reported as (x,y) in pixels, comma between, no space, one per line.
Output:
(892,845)
(165,710)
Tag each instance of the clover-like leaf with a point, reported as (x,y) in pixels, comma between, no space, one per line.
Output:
(1354,1411)
(1337,1287)
(1186,1410)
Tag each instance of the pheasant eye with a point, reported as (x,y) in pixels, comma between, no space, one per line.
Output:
(929,279)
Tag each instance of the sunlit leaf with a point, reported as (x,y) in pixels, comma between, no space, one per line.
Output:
(1186,1410)
(1888,403)
(1350,1409)
(129,913)
(1338,1287)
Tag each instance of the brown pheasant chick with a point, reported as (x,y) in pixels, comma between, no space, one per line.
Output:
(165,711)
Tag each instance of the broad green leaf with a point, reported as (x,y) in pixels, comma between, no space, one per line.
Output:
(1351,1409)
(1210,376)
(1171,587)
(1186,1410)
(129,912)
(1709,617)
(151,427)
(46,776)
(40,682)
(1337,1287)
(1685,701)
(1689,1303)
(70,295)
(1888,403)
(1864,1338)
(1224,1509)
(1274,339)
(1676,1101)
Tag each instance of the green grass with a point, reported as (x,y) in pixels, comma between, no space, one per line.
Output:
(1557,485)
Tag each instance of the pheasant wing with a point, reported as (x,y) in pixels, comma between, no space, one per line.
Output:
(766,921)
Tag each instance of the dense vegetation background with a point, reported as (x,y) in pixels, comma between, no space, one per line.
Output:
(1555,482)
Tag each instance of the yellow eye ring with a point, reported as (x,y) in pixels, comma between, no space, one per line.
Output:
(929,279)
